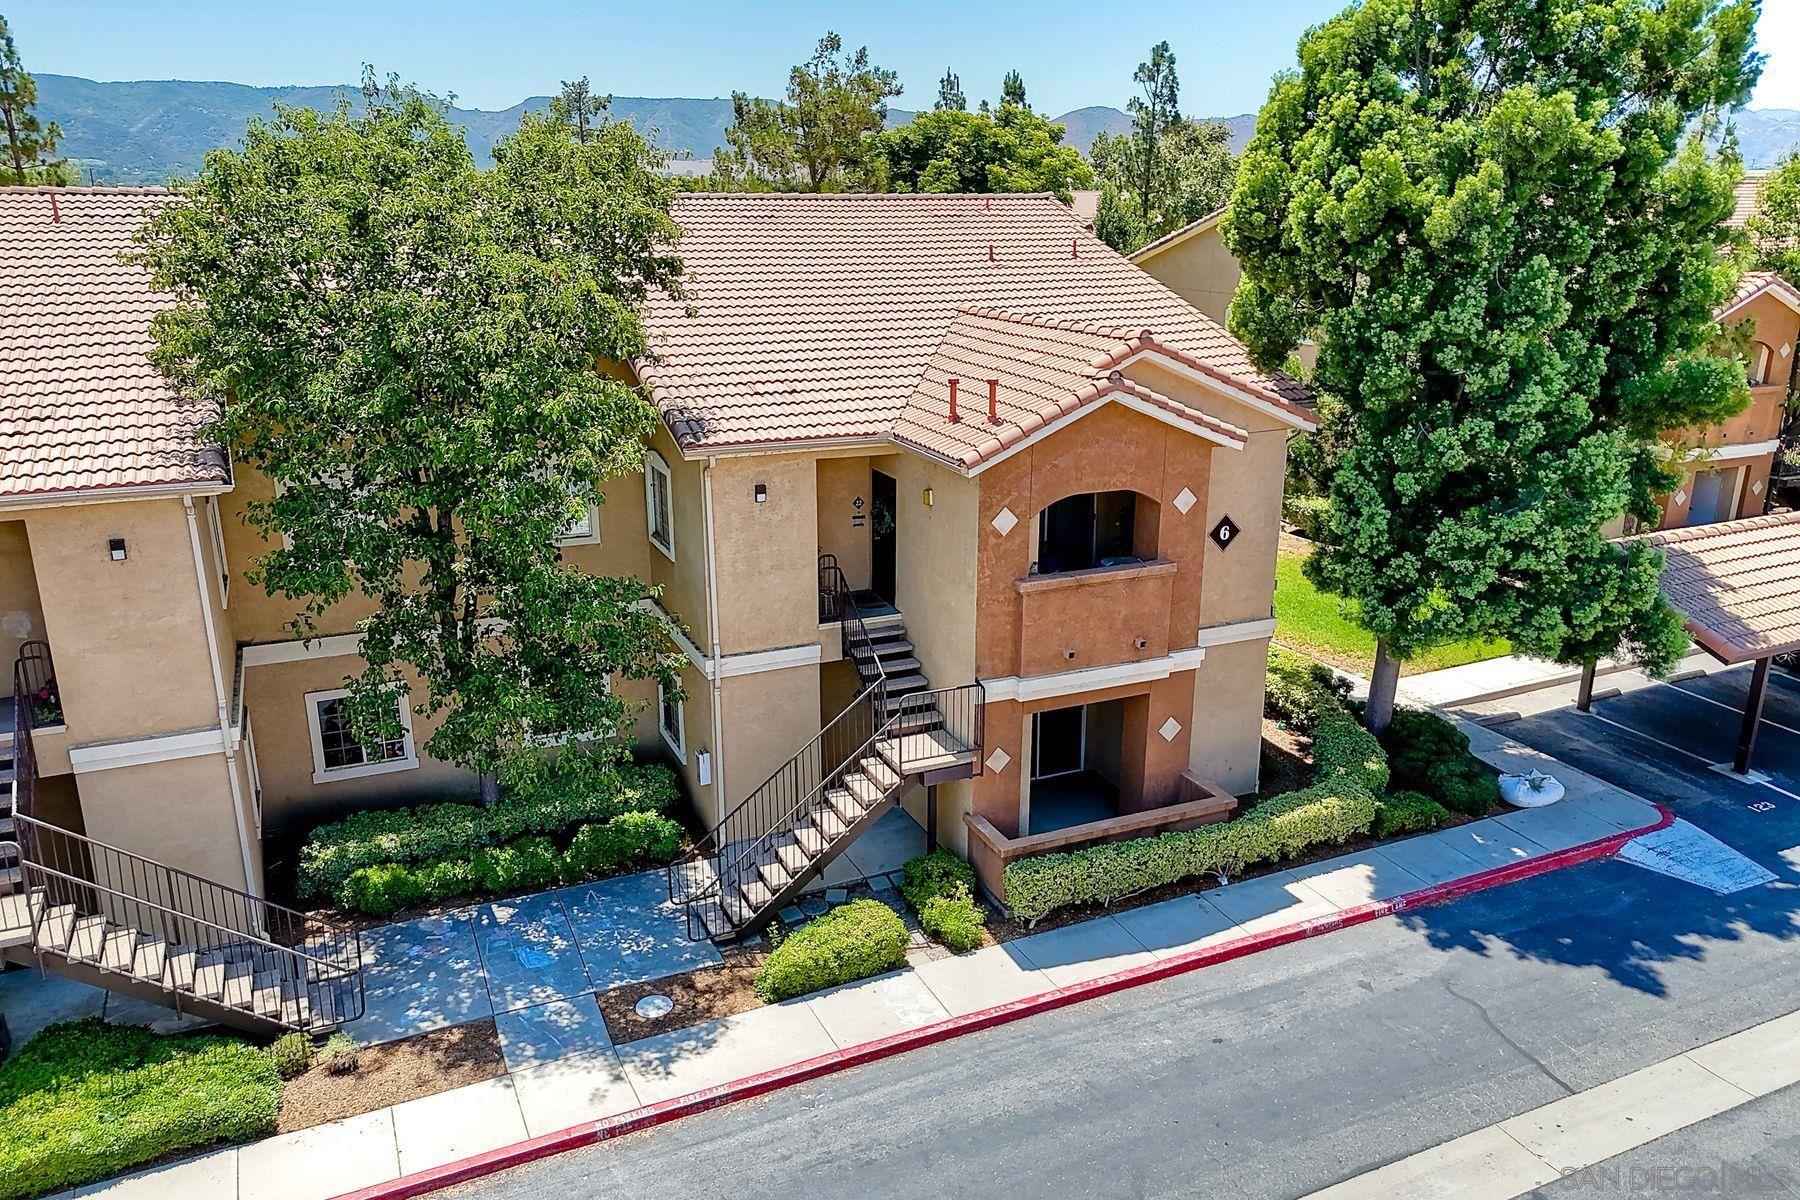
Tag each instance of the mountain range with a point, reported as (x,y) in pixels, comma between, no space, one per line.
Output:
(152,130)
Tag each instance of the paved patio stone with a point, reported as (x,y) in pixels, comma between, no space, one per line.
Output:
(1358,879)
(1176,926)
(1431,859)
(210,1177)
(419,976)
(434,1130)
(528,951)
(967,983)
(875,1008)
(32,1001)
(1561,825)
(581,1087)
(839,872)
(629,932)
(688,1060)
(836,895)
(1082,951)
(531,1037)
(1274,900)
(887,844)
(326,1160)
(1489,844)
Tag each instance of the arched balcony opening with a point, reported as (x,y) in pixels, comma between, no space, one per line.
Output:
(1096,529)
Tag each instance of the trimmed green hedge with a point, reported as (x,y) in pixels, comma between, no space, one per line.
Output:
(529,864)
(1428,754)
(1407,812)
(567,791)
(941,889)
(853,941)
(84,1101)
(1311,515)
(1301,690)
(1343,749)
(1330,811)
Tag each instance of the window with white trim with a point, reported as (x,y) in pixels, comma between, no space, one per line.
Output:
(659,504)
(672,721)
(336,752)
(585,532)
(216,527)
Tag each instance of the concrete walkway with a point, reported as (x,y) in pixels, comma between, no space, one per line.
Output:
(1497,678)
(563,1071)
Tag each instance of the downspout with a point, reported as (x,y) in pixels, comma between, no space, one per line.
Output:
(251,883)
(712,631)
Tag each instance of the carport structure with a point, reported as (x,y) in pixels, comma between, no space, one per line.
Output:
(1738,584)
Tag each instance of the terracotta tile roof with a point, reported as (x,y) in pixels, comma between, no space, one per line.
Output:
(1738,582)
(1752,284)
(81,408)
(814,317)
(1749,191)
(1044,370)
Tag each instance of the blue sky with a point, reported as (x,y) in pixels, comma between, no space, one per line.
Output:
(494,53)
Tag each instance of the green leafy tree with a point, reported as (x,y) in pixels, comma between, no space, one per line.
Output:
(406,345)
(580,107)
(1194,175)
(1013,150)
(950,93)
(1492,219)
(835,100)
(1153,113)
(1012,90)
(1774,230)
(30,144)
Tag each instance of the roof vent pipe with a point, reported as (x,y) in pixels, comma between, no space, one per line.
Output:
(990,252)
(55,213)
(993,401)
(953,417)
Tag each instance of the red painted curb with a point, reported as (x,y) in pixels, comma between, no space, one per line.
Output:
(589,1133)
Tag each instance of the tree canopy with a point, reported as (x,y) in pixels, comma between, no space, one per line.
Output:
(1011,150)
(406,346)
(30,143)
(1495,223)
(1774,230)
(815,137)
(950,93)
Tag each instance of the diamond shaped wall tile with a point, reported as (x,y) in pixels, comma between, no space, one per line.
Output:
(1756,488)
(1786,349)
(1169,729)
(1004,521)
(1681,497)
(1185,500)
(996,762)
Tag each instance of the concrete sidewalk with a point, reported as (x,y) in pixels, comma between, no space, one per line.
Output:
(1497,678)
(563,1071)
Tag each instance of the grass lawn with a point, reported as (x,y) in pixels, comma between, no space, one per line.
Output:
(1322,625)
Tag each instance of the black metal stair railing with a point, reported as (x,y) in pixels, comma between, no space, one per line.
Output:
(67,876)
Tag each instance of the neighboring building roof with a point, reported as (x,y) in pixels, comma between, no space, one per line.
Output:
(1738,583)
(1045,370)
(1176,236)
(81,407)
(1749,192)
(813,317)
(1752,284)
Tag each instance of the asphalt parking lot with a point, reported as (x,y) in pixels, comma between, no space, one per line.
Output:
(1673,743)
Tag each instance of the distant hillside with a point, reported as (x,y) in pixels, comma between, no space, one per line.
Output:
(150,131)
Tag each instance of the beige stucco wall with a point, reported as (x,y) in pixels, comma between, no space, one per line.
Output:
(935,564)
(1227,744)
(769,716)
(21,613)
(767,554)
(127,637)
(683,581)
(843,523)
(1200,270)
(177,812)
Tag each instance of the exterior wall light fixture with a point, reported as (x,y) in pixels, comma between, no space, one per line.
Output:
(927,497)
(762,493)
(115,549)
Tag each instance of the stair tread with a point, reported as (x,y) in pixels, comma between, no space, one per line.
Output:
(87,939)
(179,962)
(793,856)
(774,874)
(811,840)
(209,980)
(756,893)
(844,805)
(866,790)
(120,948)
(829,824)
(881,771)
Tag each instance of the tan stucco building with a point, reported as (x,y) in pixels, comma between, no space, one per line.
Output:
(1036,481)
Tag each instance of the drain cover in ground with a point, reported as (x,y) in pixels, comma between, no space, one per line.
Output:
(652,1007)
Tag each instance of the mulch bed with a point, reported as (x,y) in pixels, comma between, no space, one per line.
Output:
(394,1072)
(699,996)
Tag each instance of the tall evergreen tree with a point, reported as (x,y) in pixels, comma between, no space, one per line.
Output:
(950,93)
(1012,89)
(1774,229)
(580,107)
(30,144)
(1152,113)
(1494,221)
(815,137)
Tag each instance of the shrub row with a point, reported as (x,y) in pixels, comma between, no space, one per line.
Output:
(526,865)
(1428,754)
(1311,515)
(85,1100)
(1407,812)
(1301,690)
(851,942)
(1343,749)
(1330,811)
(566,791)
(941,889)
